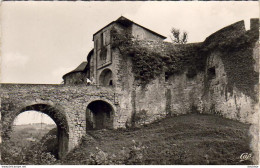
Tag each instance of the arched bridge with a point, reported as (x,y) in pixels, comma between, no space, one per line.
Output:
(74,109)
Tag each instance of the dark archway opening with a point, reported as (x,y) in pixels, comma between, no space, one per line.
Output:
(99,115)
(59,149)
(105,78)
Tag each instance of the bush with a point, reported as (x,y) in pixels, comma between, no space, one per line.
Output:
(36,154)
(140,117)
(127,156)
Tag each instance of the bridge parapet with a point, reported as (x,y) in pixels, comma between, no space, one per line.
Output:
(57,92)
(17,87)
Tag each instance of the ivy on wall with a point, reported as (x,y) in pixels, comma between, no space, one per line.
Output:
(237,57)
(149,61)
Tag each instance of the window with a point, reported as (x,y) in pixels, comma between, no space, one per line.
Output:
(103,54)
(111,83)
(211,73)
(96,45)
(166,75)
(107,37)
(102,39)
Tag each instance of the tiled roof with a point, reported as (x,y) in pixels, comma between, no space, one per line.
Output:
(80,68)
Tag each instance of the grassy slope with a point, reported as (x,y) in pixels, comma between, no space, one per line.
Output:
(187,139)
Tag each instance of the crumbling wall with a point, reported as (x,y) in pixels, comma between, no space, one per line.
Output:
(158,97)
(233,91)
(186,93)
(220,99)
(209,79)
(225,34)
(150,102)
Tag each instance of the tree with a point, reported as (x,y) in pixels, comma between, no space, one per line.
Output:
(178,37)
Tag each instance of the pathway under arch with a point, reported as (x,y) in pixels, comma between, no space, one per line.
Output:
(99,115)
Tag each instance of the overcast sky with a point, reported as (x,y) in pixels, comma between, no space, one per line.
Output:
(41,41)
(30,117)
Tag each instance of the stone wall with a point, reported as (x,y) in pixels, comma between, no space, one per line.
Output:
(124,85)
(234,54)
(186,93)
(225,34)
(209,91)
(68,101)
(220,99)
(160,98)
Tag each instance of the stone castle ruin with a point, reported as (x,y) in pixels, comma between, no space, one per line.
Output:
(132,77)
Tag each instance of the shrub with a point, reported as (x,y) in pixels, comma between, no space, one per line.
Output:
(36,154)
(141,117)
(126,156)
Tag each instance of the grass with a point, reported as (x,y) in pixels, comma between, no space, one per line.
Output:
(188,139)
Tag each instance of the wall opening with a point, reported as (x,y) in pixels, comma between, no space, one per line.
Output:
(59,137)
(32,129)
(166,76)
(102,39)
(211,73)
(99,115)
(105,78)
(110,83)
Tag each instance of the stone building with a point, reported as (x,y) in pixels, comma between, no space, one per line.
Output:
(78,75)
(211,89)
(137,78)
(101,61)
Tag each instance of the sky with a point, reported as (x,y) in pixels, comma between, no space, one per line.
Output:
(41,41)
(31,117)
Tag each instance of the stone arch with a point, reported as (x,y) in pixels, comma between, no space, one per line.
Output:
(100,114)
(58,117)
(106,78)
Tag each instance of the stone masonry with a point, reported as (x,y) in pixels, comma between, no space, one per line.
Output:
(67,106)
(220,88)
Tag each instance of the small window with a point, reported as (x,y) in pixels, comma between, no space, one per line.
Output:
(166,76)
(96,44)
(103,54)
(211,73)
(107,37)
(110,83)
(102,39)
